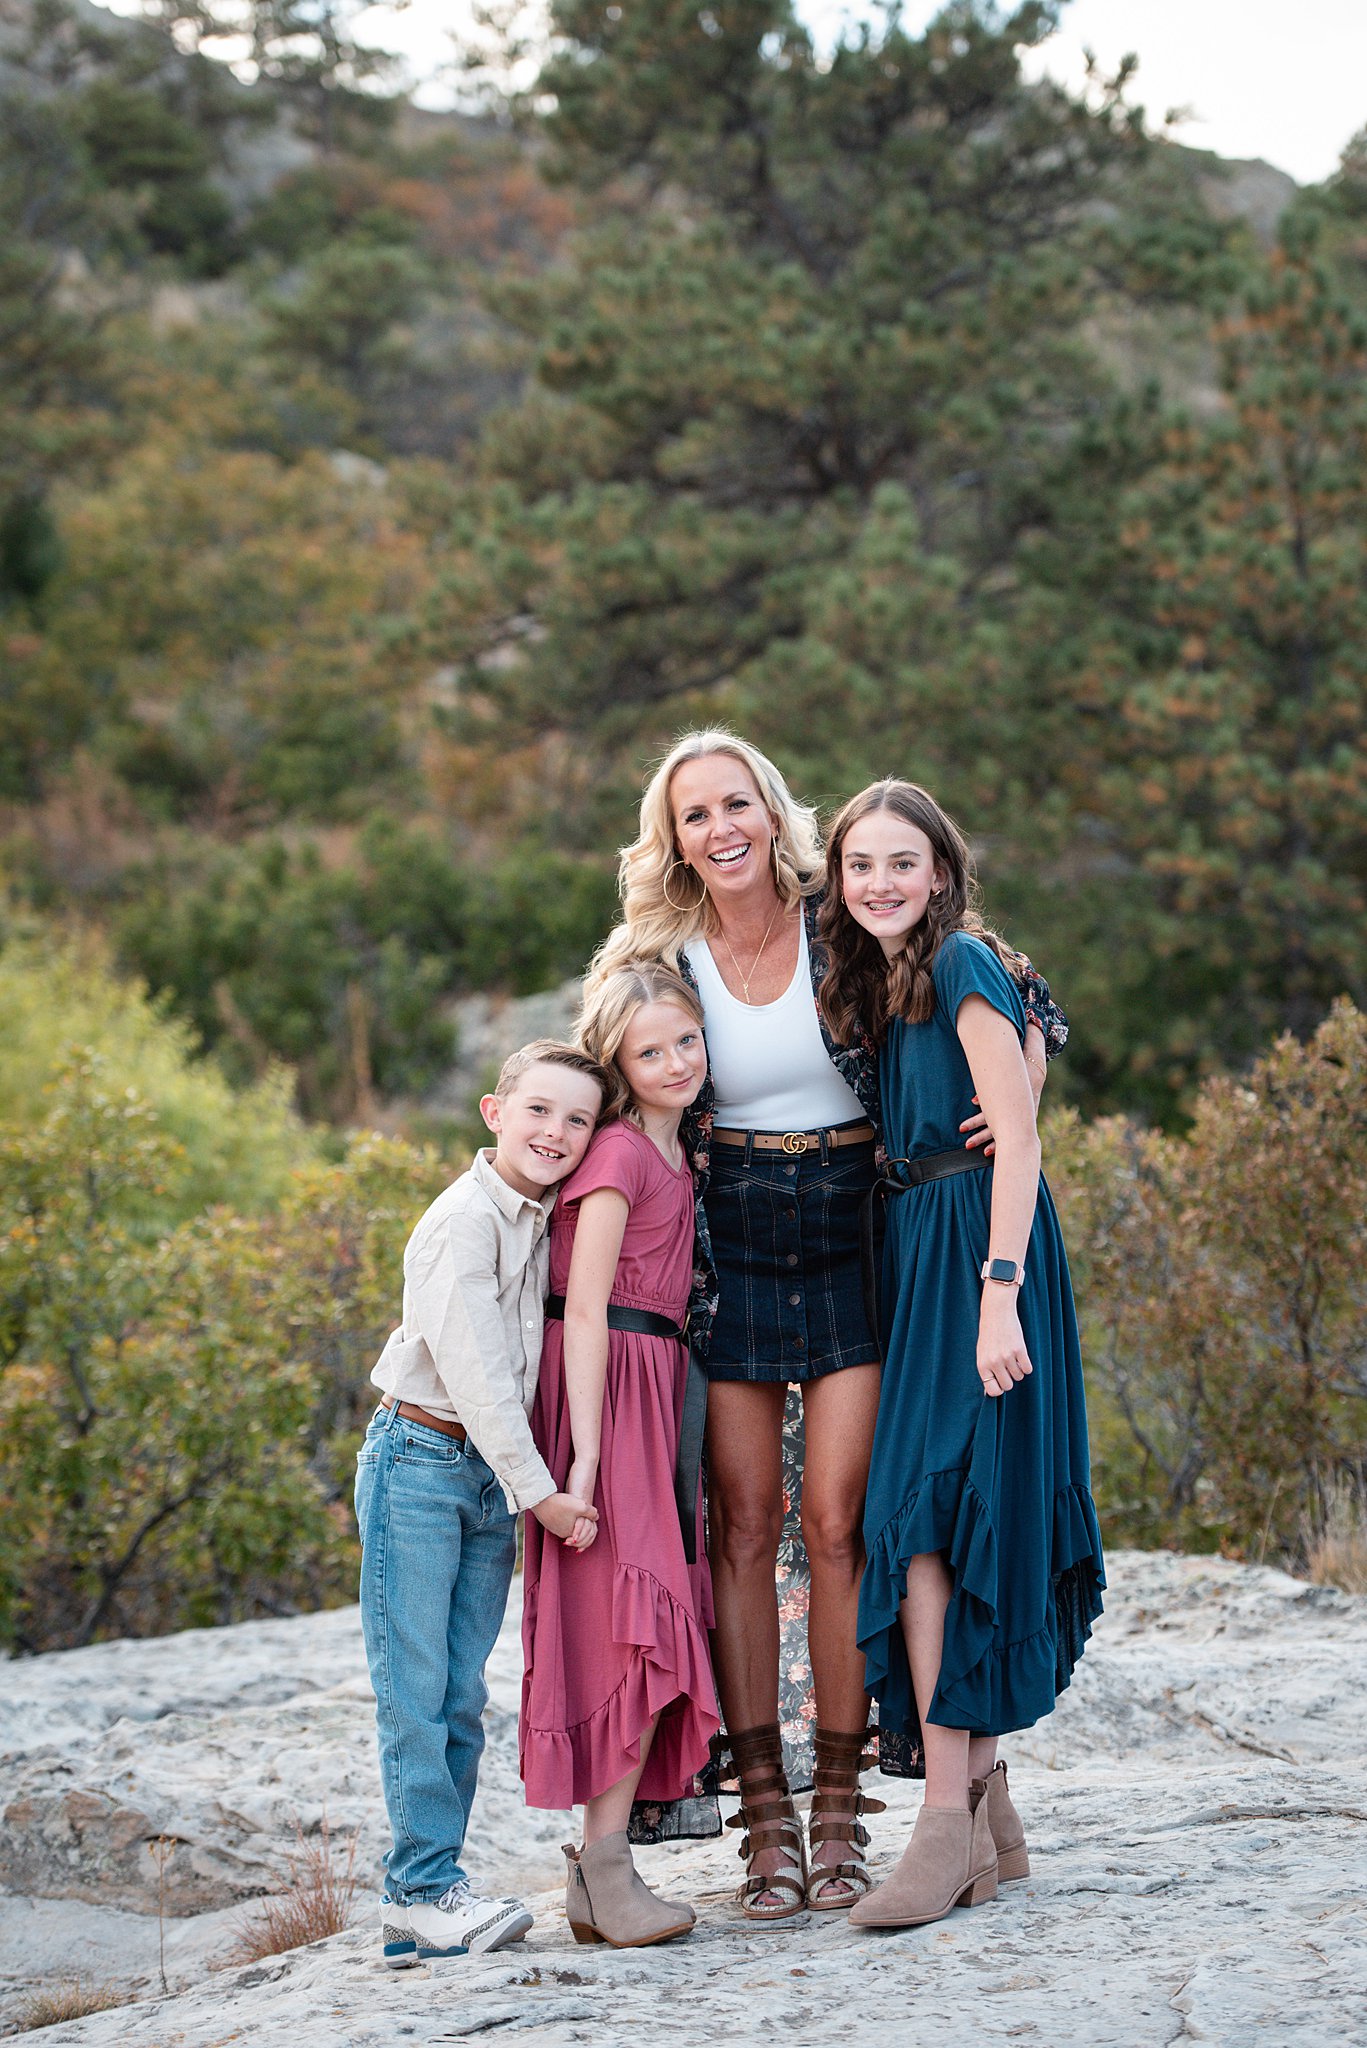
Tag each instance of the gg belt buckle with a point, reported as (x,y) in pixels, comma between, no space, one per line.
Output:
(795,1142)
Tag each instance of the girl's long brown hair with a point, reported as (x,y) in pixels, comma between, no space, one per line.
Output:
(863,989)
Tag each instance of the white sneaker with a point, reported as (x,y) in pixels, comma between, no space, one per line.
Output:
(396,1934)
(461,1923)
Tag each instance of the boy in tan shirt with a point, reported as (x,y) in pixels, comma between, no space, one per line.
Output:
(447,1462)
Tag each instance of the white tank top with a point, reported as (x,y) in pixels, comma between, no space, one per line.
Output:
(770,1066)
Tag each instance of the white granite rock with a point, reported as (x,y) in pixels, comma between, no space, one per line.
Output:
(1197,1809)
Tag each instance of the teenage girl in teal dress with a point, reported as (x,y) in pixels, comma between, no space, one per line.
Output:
(984,1570)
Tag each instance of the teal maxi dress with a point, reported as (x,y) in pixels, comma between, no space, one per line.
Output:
(999,1485)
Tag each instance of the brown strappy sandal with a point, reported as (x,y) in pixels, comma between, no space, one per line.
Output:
(837,1807)
(770,1821)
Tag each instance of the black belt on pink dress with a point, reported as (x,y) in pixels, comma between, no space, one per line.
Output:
(643,1322)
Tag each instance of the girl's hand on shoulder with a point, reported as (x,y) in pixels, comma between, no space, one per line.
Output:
(1002,1357)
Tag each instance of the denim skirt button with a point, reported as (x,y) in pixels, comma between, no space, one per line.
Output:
(792,1258)
(794,1301)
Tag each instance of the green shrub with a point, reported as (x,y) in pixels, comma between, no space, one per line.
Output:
(178,1409)
(271,954)
(58,994)
(340,969)
(1223,1296)
(536,918)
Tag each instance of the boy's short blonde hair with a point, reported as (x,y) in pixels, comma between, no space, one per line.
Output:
(553,1052)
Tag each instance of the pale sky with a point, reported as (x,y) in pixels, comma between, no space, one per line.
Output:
(1280,79)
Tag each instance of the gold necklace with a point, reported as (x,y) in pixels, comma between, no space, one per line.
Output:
(746,979)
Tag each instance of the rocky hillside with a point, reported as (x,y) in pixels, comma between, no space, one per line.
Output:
(1197,1811)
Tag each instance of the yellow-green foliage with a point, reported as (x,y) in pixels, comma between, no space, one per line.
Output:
(181,1382)
(59,1000)
(1223,1295)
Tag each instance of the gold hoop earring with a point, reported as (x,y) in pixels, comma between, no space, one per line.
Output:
(682,908)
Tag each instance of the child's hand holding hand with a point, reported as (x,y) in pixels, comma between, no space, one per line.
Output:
(566,1515)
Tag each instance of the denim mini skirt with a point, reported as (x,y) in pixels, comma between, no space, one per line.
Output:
(785,1241)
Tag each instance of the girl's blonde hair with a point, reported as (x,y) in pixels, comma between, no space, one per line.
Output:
(611,1000)
(664,903)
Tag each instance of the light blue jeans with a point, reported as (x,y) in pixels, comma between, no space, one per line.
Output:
(437,1551)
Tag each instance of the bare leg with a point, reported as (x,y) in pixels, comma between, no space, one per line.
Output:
(923,1625)
(745,1522)
(610,1811)
(982,1755)
(839,1412)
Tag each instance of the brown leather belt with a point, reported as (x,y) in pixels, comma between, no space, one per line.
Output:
(411,1411)
(797,1142)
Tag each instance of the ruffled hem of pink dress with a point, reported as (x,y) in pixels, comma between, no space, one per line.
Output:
(668,1672)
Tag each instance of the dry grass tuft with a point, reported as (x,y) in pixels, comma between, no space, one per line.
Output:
(1336,1533)
(69,2001)
(314,1904)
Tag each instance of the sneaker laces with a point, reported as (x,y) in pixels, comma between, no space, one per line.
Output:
(455,1895)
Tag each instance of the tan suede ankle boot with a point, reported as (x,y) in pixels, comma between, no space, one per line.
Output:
(1008,1830)
(949,1861)
(606,1900)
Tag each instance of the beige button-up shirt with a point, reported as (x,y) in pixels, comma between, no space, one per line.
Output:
(475,1274)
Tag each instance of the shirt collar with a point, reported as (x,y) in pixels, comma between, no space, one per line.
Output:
(502,1194)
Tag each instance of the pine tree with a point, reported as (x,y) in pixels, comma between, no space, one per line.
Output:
(827,333)
(1247,797)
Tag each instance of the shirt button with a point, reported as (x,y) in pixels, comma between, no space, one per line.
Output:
(794,1300)
(792,1258)
(531,1322)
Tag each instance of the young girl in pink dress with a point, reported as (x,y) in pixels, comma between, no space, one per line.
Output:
(618,1701)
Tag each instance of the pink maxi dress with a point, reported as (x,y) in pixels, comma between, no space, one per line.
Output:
(618,1633)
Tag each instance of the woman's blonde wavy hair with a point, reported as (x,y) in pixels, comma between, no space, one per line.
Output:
(611,1000)
(650,872)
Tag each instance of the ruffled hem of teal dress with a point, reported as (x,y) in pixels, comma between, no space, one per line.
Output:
(987,1686)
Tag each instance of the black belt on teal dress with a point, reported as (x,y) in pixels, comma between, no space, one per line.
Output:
(643,1322)
(899,1177)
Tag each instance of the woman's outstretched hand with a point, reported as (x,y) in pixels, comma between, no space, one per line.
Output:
(976,1126)
(979,1134)
(1002,1357)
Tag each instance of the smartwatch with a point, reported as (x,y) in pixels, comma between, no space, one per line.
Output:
(1004,1270)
